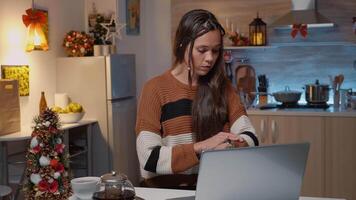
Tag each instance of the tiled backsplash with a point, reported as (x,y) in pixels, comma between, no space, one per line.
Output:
(296,66)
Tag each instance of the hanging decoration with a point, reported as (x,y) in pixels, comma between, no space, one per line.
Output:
(301,28)
(37,29)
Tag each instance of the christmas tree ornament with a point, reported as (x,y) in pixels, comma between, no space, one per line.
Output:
(47,161)
(35,178)
(34,142)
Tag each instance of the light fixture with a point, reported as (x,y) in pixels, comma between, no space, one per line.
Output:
(36,22)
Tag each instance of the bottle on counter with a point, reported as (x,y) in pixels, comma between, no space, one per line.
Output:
(43,103)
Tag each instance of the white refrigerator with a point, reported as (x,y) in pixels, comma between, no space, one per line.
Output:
(106,87)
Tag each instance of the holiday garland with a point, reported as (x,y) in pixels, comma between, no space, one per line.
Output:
(47,161)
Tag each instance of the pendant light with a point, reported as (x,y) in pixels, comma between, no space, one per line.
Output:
(35,20)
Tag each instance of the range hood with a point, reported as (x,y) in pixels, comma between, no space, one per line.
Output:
(303,12)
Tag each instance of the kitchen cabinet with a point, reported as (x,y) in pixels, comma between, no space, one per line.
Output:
(340,147)
(78,142)
(295,129)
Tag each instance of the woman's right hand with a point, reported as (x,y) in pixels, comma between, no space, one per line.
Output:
(219,141)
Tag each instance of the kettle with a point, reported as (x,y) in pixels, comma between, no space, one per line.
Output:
(116,186)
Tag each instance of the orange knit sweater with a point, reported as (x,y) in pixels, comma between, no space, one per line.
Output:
(164,126)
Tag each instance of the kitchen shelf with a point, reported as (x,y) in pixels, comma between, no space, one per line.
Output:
(293,44)
(78,153)
(247,47)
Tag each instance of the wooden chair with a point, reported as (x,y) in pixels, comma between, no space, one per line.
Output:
(5,192)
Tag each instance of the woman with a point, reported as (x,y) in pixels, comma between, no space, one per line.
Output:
(190,108)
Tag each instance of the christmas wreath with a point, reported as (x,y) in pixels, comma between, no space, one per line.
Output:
(78,44)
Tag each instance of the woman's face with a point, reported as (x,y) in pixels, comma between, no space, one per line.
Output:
(205,52)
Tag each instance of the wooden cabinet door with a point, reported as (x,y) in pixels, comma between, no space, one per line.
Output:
(295,129)
(260,123)
(340,157)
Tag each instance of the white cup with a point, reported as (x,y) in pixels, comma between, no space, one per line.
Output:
(84,187)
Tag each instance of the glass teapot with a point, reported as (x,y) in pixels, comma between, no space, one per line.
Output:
(116,186)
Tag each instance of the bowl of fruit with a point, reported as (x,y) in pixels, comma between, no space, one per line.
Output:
(72,113)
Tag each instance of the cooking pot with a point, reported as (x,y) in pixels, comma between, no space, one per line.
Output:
(287,96)
(317,93)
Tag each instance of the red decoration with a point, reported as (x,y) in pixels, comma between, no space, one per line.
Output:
(302,28)
(43,185)
(53,187)
(59,148)
(34,16)
(54,163)
(36,149)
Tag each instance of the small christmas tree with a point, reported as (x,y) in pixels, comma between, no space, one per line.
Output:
(47,162)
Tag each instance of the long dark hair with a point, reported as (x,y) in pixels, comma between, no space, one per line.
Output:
(209,108)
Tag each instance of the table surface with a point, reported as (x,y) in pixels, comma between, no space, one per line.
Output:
(25,133)
(162,194)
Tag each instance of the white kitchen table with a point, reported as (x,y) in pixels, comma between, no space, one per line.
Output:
(25,134)
(163,194)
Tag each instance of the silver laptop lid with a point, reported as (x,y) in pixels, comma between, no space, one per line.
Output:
(254,173)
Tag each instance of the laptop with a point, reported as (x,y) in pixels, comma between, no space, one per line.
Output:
(253,173)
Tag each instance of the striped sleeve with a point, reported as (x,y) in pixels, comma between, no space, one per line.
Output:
(158,158)
(240,123)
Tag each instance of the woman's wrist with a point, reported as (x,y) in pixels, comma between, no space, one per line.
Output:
(198,147)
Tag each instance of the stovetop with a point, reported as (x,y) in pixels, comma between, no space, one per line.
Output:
(295,106)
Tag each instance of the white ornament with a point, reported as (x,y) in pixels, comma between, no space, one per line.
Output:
(41,145)
(50,180)
(47,123)
(58,140)
(56,175)
(35,178)
(44,161)
(34,142)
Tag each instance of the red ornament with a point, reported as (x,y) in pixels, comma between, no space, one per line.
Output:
(59,148)
(43,185)
(54,163)
(36,149)
(302,28)
(53,186)
(60,168)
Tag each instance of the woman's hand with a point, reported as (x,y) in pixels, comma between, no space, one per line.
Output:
(222,140)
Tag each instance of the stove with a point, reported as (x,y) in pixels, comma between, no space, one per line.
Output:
(295,106)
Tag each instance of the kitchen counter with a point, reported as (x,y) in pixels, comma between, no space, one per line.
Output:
(25,134)
(163,194)
(330,112)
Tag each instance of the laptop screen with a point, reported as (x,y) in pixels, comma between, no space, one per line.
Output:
(253,173)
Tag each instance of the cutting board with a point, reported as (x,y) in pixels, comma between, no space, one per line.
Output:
(246,80)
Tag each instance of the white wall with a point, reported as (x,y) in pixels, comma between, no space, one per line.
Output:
(64,15)
(153,46)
